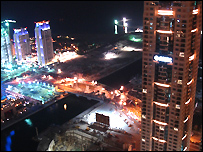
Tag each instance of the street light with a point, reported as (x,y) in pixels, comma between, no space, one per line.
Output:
(125,25)
(116,26)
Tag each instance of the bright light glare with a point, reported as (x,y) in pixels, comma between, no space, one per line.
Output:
(65,106)
(165,12)
(65,56)
(195,11)
(189,82)
(59,70)
(110,55)
(166,32)
(191,57)
(9,66)
(122,87)
(186,119)
(115,120)
(115,21)
(161,104)
(188,101)
(138,30)
(136,40)
(7,24)
(29,122)
(184,136)
(128,48)
(159,122)
(161,84)
(163,58)
(194,30)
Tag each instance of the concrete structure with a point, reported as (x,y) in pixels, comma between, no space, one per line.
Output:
(21,43)
(44,44)
(171,46)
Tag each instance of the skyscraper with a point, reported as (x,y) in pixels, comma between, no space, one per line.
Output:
(44,42)
(171,46)
(6,52)
(21,43)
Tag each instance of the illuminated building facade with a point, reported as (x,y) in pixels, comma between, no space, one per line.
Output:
(21,43)
(3,93)
(44,44)
(6,51)
(171,46)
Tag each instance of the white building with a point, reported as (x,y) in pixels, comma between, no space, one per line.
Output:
(44,44)
(21,43)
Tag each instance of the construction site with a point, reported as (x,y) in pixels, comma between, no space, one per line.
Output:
(103,127)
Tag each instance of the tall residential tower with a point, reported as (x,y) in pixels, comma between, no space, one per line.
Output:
(21,43)
(44,42)
(171,46)
(6,50)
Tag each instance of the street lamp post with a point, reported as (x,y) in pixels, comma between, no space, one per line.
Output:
(116,26)
(125,25)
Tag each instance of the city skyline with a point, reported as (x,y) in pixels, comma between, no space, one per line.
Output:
(84,69)
(73,17)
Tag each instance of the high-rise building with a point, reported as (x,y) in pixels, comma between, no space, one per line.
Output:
(6,52)
(44,44)
(21,43)
(171,46)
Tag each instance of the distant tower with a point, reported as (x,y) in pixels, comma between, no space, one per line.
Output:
(116,26)
(6,53)
(21,43)
(44,42)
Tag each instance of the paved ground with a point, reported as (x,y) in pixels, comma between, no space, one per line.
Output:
(119,130)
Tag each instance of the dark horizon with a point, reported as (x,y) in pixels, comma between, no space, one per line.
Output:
(73,17)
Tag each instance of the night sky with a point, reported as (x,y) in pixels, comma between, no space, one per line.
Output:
(73,17)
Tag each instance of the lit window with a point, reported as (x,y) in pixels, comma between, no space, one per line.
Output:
(144,90)
(181,54)
(176,129)
(179,82)
(177,106)
(161,127)
(191,57)
(195,11)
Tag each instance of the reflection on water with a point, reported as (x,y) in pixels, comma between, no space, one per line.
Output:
(8,141)
(54,114)
(65,106)
(29,122)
